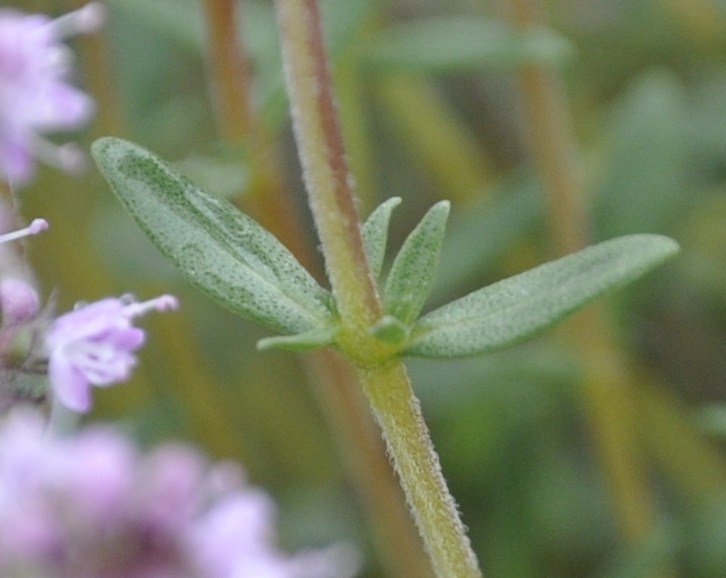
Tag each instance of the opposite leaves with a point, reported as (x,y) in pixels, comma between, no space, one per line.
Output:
(516,308)
(224,252)
(246,269)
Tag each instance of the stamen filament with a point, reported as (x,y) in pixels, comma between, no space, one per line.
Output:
(85,20)
(161,303)
(35,227)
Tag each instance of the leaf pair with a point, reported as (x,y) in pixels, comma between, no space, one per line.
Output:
(506,312)
(246,269)
(413,270)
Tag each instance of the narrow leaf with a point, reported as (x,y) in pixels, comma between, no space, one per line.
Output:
(450,44)
(516,308)
(375,234)
(302,341)
(221,250)
(414,268)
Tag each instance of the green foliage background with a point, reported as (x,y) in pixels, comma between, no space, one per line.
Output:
(647,83)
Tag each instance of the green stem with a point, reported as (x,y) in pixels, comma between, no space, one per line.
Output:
(325,168)
(398,412)
(368,466)
(332,202)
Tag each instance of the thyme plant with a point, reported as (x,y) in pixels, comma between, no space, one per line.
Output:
(372,316)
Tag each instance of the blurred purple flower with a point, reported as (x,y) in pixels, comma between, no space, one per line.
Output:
(94,345)
(18,299)
(35,96)
(90,506)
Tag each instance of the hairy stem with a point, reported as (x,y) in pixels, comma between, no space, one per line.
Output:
(328,183)
(368,466)
(325,167)
(397,410)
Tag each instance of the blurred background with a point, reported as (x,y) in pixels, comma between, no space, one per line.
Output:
(595,450)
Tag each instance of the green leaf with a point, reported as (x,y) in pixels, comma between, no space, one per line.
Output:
(224,252)
(450,44)
(647,168)
(516,308)
(375,234)
(178,20)
(302,341)
(414,268)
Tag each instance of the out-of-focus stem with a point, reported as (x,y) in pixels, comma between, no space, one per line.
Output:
(99,82)
(264,195)
(386,384)
(349,83)
(446,150)
(552,143)
(607,398)
(694,464)
(229,71)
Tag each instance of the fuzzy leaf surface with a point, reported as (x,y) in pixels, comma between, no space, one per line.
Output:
(517,308)
(224,252)
(375,234)
(414,268)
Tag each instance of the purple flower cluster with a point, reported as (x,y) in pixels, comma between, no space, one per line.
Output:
(92,506)
(94,345)
(35,95)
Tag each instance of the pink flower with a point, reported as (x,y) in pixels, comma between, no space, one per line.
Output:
(35,96)
(95,345)
(91,505)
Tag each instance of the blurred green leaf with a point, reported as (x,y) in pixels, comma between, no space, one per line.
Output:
(481,234)
(222,251)
(645,180)
(704,239)
(375,234)
(712,420)
(651,557)
(178,20)
(456,43)
(516,308)
(414,268)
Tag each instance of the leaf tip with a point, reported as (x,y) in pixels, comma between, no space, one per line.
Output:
(658,247)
